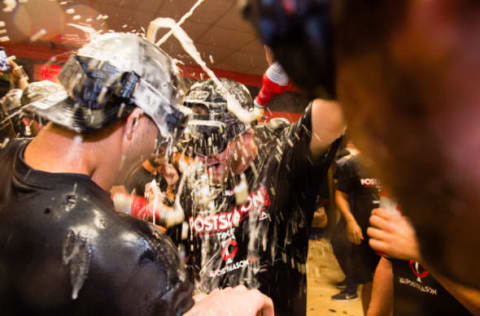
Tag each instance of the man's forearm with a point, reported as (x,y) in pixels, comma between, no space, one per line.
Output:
(468,297)
(382,293)
(343,206)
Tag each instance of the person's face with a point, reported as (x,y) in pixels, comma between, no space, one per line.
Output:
(234,158)
(406,73)
(218,165)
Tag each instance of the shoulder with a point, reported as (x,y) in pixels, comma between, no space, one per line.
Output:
(345,161)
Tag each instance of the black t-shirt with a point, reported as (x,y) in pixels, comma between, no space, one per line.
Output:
(416,292)
(140,177)
(362,189)
(65,251)
(264,242)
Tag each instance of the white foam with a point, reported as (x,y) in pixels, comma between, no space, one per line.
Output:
(233,104)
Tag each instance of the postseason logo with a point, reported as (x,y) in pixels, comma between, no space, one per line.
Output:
(257,201)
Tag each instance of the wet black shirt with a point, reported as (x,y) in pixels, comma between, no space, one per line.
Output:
(360,186)
(65,251)
(262,243)
(416,292)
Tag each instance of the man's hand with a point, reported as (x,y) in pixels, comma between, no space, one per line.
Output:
(391,233)
(18,74)
(232,302)
(354,232)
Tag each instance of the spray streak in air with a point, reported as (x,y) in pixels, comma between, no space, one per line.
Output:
(182,20)
(188,45)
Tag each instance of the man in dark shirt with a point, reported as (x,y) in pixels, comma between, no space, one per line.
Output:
(357,194)
(64,250)
(254,227)
(410,100)
(402,286)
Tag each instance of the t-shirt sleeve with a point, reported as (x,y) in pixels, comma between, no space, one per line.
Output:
(344,176)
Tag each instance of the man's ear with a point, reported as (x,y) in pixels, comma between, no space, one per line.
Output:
(132,123)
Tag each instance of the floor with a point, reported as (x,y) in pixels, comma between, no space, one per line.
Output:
(322,272)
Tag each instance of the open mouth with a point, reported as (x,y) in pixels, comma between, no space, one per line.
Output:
(211,163)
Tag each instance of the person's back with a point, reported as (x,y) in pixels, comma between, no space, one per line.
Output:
(65,251)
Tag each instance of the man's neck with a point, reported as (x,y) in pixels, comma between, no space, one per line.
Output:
(57,150)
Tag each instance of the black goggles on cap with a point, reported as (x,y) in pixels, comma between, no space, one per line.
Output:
(210,134)
(100,86)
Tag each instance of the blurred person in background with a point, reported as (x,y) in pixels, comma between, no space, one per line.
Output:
(402,285)
(18,120)
(356,195)
(410,96)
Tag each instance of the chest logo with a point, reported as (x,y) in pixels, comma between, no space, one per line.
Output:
(418,270)
(257,202)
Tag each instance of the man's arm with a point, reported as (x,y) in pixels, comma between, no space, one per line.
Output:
(468,297)
(381,303)
(354,232)
(328,124)
(393,234)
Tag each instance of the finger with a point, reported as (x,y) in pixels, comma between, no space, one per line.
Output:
(351,238)
(376,233)
(386,214)
(379,246)
(356,239)
(379,222)
(358,236)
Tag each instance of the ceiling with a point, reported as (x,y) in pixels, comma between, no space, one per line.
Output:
(225,41)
